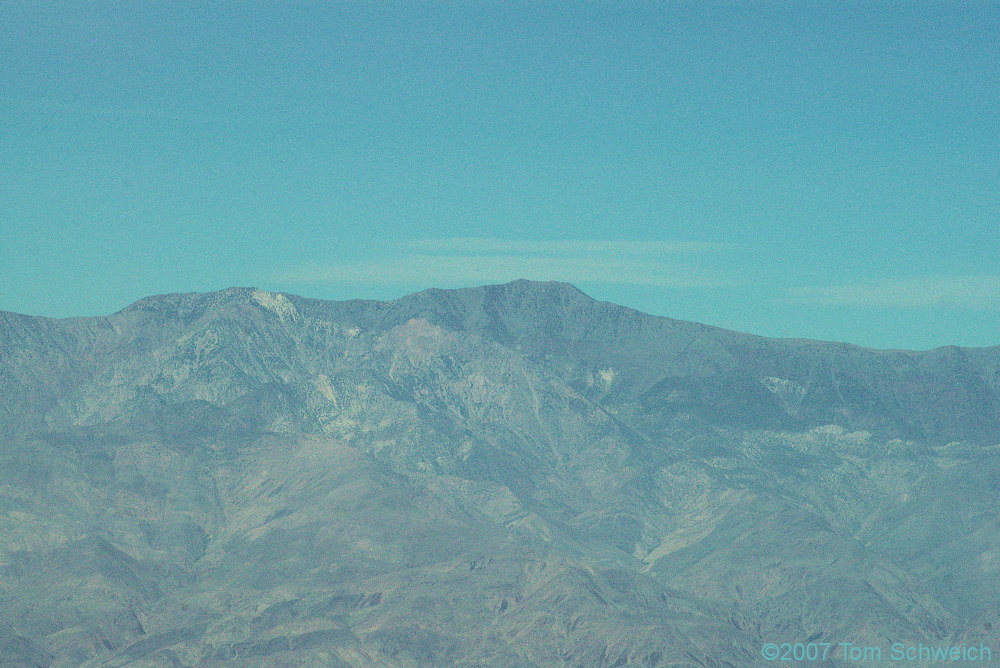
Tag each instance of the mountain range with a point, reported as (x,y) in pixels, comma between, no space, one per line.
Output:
(509,475)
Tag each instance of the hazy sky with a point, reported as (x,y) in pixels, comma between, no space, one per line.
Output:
(825,170)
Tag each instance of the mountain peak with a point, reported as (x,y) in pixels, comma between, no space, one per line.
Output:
(521,287)
(179,301)
(561,286)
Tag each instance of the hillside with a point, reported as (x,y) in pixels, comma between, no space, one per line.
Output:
(508,475)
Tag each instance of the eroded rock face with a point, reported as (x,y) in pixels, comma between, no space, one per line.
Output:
(510,475)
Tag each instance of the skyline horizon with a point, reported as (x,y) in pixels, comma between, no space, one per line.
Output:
(821,170)
(568,284)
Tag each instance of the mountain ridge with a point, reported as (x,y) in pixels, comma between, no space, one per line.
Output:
(142,303)
(794,381)
(511,475)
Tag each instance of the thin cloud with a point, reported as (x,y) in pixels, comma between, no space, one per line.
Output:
(454,262)
(568,247)
(977,292)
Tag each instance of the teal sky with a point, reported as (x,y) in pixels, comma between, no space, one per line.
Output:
(823,170)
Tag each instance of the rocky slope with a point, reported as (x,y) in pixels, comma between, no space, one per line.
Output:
(510,475)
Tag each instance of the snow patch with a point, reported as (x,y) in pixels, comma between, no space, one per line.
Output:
(276,303)
(782,385)
(788,391)
(322,383)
